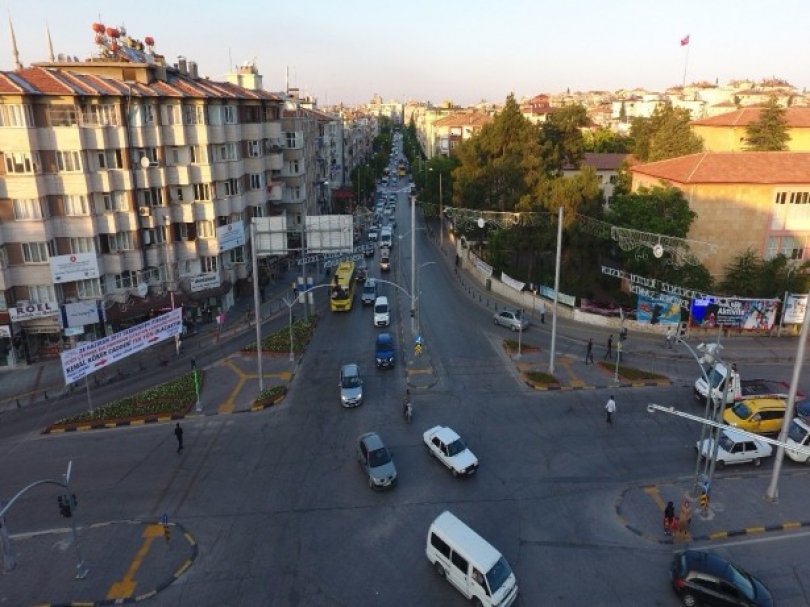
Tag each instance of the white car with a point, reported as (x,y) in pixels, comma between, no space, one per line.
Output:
(735,448)
(444,444)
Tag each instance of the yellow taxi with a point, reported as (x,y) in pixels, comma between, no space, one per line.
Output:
(759,415)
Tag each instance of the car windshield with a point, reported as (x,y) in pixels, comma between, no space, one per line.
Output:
(378,457)
(351,381)
(741,410)
(499,573)
(456,447)
(742,581)
(726,443)
(796,433)
(715,378)
(369,289)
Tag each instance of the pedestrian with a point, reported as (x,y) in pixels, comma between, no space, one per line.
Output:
(609,350)
(610,408)
(669,338)
(684,518)
(669,517)
(589,352)
(178,432)
(542,312)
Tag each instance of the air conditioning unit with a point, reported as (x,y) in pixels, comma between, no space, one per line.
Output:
(144,211)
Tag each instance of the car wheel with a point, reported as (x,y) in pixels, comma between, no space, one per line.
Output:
(721,464)
(370,483)
(689,600)
(440,569)
(757,461)
(455,472)
(495,320)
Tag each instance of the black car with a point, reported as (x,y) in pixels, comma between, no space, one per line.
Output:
(704,578)
(361,272)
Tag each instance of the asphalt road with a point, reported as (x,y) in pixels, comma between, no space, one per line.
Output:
(282,514)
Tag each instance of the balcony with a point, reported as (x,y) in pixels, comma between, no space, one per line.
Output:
(203,210)
(182,213)
(275,191)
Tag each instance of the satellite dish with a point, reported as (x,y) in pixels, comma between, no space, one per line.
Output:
(658,251)
(143,289)
(145,162)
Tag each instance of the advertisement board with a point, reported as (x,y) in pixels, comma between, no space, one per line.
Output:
(231,236)
(203,282)
(795,309)
(91,356)
(29,311)
(77,266)
(733,313)
(661,310)
(81,313)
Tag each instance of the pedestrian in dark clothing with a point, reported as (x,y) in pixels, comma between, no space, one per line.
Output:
(609,351)
(178,432)
(669,517)
(589,352)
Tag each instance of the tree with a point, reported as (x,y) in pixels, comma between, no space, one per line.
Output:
(769,132)
(743,276)
(605,141)
(666,134)
(562,140)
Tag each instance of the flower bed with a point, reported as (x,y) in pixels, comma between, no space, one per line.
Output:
(175,396)
(279,342)
(270,396)
(538,377)
(630,373)
(511,345)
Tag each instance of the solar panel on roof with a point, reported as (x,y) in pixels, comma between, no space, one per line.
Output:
(23,84)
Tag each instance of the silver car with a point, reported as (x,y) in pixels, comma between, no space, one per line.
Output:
(376,461)
(351,386)
(512,319)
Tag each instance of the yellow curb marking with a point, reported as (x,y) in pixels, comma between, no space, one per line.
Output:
(126,586)
(753,530)
(791,525)
(228,405)
(573,380)
(718,535)
(420,370)
(653,493)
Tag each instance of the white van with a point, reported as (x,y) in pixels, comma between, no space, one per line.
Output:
(470,563)
(382,313)
(386,238)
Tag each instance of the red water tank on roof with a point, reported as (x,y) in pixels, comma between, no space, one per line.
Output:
(98,28)
(149,41)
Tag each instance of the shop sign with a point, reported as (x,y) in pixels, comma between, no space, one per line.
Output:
(204,282)
(22,312)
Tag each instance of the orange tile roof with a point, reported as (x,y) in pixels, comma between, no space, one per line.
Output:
(732,167)
(41,81)
(795,117)
(463,119)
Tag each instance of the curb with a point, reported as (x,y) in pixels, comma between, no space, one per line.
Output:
(569,388)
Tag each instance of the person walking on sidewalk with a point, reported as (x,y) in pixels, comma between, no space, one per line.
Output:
(684,519)
(669,517)
(610,408)
(609,350)
(589,352)
(178,432)
(669,338)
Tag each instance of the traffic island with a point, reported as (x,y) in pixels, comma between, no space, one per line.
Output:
(511,346)
(286,341)
(158,404)
(269,397)
(542,381)
(631,376)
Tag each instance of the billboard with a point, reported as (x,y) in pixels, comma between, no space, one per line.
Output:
(231,236)
(77,266)
(91,356)
(81,313)
(795,309)
(660,310)
(733,313)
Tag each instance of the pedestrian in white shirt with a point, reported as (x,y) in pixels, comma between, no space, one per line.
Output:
(610,408)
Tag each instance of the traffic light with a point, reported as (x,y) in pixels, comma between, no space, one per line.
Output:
(64,505)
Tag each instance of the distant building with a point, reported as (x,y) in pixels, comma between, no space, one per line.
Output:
(727,132)
(606,167)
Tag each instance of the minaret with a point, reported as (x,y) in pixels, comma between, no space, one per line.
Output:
(50,44)
(15,54)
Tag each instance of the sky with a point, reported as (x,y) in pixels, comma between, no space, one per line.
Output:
(463,51)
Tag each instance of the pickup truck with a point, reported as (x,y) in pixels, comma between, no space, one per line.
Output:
(718,374)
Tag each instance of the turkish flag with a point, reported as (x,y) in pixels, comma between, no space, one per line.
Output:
(684,41)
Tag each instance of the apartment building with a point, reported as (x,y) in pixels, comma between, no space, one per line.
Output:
(127,185)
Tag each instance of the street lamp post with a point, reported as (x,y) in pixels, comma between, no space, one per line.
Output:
(170,275)
(257,310)
(413,265)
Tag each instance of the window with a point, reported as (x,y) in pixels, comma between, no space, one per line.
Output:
(256,181)
(156,235)
(202,191)
(140,153)
(68,162)
(193,114)
(82,244)
(109,159)
(228,151)
(120,241)
(100,115)
(184,231)
(63,115)
(254,149)
(459,561)
(175,156)
(30,209)
(89,288)
(208,265)
(291,140)
(76,205)
(205,229)
(151,197)
(41,293)
(16,116)
(295,167)
(147,114)
(199,154)
(237,255)
(229,114)
(22,162)
(440,545)
(231,187)
(185,267)
(113,202)
(35,252)
(172,113)
(258,211)
(126,280)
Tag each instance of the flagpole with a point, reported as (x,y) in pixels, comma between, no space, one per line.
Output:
(685,64)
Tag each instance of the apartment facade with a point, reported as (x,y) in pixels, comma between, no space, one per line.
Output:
(142,172)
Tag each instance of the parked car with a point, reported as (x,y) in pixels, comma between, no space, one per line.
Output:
(351,386)
(376,461)
(447,446)
(705,578)
(369,294)
(735,448)
(512,319)
(758,415)
(384,351)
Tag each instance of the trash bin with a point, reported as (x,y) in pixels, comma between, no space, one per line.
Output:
(489,284)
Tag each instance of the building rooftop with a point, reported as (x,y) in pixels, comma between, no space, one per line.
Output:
(795,117)
(732,167)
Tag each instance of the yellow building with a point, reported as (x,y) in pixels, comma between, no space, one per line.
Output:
(727,132)
(756,200)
